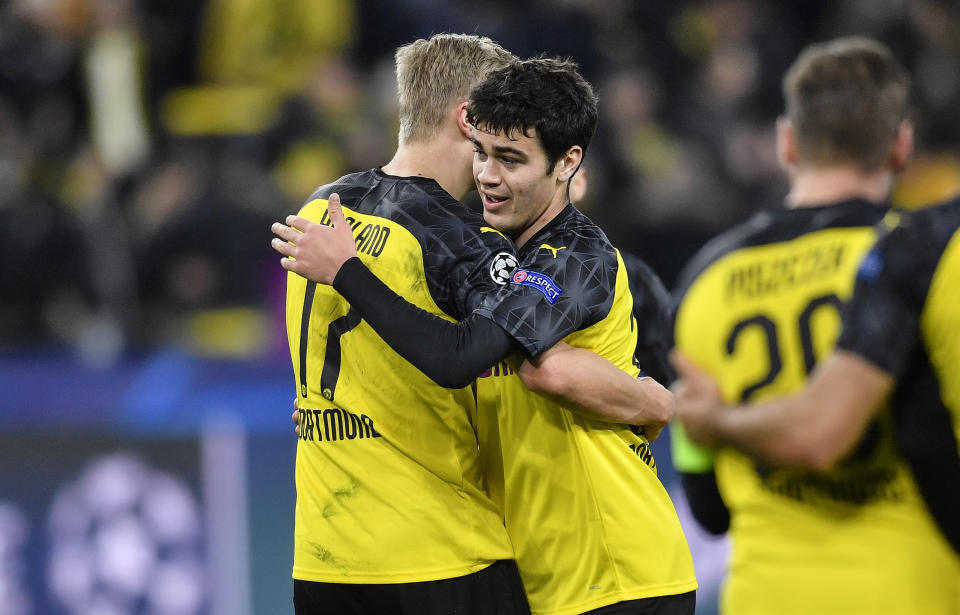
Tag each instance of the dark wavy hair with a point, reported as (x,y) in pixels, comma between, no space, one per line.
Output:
(546,94)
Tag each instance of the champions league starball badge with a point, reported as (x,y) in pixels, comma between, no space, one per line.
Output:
(126,538)
(502,267)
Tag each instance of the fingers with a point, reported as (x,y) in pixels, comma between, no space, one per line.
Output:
(335,211)
(285,232)
(284,247)
(652,432)
(291,265)
(689,373)
(296,415)
(298,224)
(682,364)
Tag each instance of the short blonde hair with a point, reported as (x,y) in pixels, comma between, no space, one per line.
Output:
(435,73)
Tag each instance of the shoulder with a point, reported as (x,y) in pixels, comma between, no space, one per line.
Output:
(740,236)
(932,226)
(776,226)
(571,239)
(571,259)
(350,187)
(908,251)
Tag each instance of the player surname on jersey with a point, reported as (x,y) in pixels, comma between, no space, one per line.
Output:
(760,277)
(371,239)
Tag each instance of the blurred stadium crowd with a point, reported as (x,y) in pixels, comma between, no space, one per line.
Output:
(146,145)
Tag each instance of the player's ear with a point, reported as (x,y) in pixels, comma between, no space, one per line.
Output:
(568,163)
(902,149)
(462,125)
(786,143)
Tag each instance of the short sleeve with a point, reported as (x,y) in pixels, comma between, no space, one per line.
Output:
(479,262)
(553,294)
(881,320)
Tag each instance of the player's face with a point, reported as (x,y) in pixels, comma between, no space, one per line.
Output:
(518,194)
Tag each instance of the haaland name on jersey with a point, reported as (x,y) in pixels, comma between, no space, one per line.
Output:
(371,239)
(335,424)
(540,281)
(762,277)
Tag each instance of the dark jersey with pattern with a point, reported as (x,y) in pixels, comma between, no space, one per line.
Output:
(458,247)
(389,488)
(756,309)
(565,282)
(905,318)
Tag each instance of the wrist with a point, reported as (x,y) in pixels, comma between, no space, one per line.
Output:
(348,270)
(718,428)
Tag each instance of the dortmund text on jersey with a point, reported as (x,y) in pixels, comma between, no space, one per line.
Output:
(388,474)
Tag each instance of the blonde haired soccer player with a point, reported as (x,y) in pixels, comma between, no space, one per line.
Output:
(391,512)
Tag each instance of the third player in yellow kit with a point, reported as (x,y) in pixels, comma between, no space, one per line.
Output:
(759,307)
(592,527)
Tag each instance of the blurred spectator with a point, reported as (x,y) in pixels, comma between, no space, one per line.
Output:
(145,146)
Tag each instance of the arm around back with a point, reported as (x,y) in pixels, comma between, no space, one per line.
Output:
(593,386)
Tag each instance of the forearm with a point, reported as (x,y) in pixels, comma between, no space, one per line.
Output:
(774,432)
(816,427)
(588,384)
(451,354)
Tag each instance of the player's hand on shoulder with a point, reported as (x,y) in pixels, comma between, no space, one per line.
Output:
(315,251)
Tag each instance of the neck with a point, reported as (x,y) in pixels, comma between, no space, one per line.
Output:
(443,159)
(552,211)
(811,187)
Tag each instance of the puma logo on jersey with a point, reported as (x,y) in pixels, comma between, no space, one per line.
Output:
(552,249)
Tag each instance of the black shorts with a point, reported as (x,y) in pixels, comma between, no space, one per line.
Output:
(495,590)
(681,604)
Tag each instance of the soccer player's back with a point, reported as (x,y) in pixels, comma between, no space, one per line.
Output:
(757,312)
(758,308)
(387,474)
(391,513)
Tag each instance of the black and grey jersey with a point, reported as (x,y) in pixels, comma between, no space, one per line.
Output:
(565,282)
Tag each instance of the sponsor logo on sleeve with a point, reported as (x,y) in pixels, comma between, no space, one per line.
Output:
(540,281)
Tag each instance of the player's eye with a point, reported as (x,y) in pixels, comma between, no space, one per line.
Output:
(480,153)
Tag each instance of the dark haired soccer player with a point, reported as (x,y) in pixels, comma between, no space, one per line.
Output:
(757,308)
(391,514)
(592,527)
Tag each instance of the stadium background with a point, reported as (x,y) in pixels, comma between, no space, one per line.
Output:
(146,450)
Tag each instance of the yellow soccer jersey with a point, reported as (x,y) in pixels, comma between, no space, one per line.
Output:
(388,477)
(756,309)
(590,522)
(905,318)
